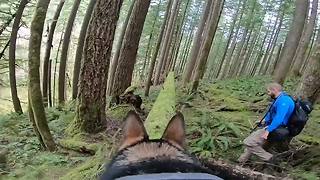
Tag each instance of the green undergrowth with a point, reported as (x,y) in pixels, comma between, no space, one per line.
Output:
(218,117)
(223,113)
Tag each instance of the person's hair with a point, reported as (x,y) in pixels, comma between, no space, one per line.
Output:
(274,86)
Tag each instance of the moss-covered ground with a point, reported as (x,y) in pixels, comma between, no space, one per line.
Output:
(218,118)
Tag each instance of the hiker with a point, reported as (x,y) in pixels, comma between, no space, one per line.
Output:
(276,118)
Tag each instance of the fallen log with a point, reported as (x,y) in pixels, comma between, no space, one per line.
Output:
(229,171)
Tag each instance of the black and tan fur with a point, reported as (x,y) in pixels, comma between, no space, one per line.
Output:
(140,155)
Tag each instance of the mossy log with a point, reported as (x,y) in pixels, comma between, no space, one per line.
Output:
(79,146)
(163,109)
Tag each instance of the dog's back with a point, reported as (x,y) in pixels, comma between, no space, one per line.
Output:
(141,158)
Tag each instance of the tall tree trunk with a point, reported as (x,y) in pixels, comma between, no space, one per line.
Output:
(12,57)
(234,20)
(310,84)
(34,91)
(155,54)
(292,40)
(49,83)
(166,42)
(274,42)
(55,68)
(248,21)
(212,27)
(48,51)
(147,56)
(247,55)
(180,35)
(82,36)
(196,44)
(91,114)
(64,52)
(305,40)
(276,60)
(128,52)
(115,59)
(228,61)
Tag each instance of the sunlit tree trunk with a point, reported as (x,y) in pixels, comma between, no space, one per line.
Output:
(12,57)
(35,97)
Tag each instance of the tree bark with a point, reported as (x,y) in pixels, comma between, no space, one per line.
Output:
(309,87)
(49,83)
(91,115)
(115,59)
(212,27)
(196,44)
(305,40)
(166,42)
(64,52)
(292,40)
(276,59)
(128,52)
(155,54)
(12,57)
(48,51)
(55,68)
(82,36)
(34,75)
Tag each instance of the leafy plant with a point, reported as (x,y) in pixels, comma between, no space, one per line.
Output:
(211,135)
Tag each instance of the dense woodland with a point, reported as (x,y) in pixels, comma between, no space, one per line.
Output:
(71,69)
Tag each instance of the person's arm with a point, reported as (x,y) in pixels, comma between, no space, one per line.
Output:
(281,110)
(267,118)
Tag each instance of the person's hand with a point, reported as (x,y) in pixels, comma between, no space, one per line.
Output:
(263,123)
(265,134)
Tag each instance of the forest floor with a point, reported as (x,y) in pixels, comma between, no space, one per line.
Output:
(218,118)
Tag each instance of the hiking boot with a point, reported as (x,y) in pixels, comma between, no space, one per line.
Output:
(244,157)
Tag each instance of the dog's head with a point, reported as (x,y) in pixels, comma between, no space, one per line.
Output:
(140,155)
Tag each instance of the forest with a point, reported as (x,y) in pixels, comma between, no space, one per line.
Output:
(71,70)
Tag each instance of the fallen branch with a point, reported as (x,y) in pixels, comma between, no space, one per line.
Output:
(229,171)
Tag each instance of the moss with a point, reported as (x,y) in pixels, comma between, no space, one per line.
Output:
(91,168)
(162,110)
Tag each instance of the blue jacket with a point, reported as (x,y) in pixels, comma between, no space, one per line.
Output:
(279,112)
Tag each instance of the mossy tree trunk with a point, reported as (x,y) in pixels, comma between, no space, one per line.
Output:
(115,59)
(129,48)
(49,45)
(82,36)
(310,84)
(37,109)
(91,109)
(12,57)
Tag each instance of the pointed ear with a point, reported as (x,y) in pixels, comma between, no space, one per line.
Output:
(133,130)
(175,131)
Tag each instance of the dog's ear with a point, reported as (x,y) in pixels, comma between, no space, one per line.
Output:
(133,130)
(175,131)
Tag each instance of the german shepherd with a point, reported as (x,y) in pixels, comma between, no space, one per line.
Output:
(141,157)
